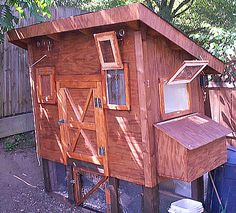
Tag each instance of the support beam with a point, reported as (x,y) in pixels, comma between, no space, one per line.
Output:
(150,200)
(197,189)
(46,175)
(112,195)
(70,184)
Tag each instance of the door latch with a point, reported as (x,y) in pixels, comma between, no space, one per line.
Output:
(101,151)
(61,121)
(98,102)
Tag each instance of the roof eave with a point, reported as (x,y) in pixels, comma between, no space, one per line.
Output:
(132,12)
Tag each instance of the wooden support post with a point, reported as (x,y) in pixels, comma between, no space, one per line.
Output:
(70,183)
(197,188)
(112,195)
(150,200)
(46,175)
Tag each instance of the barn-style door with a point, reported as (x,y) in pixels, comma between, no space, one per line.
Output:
(81,118)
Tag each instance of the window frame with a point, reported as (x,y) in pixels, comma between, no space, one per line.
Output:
(109,36)
(177,113)
(172,79)
(127,90)
(44,71)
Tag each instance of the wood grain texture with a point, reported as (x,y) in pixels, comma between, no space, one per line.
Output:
(222,103)
(177,162)
(149,159)
(206,158)
(193,131)
(133,12)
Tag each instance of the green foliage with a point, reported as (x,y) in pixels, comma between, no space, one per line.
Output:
(169,9)
(94,5)
(12,10)
(221,43)
(20,141)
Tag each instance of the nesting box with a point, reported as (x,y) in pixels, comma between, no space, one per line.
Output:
(104,83)
(189,146)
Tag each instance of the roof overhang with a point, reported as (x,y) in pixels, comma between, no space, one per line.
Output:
(130,13)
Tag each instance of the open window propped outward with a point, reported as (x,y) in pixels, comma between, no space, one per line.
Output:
(108,50)
(187,72)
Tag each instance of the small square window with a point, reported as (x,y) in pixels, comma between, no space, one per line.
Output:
(46,85)
(108,50)
(175,99)
(116,88)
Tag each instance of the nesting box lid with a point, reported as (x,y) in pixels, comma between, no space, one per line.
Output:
(193,131)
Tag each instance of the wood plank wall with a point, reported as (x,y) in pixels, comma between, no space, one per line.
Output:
(222,103)
(15,95)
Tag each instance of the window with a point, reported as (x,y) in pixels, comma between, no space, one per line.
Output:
(175,99)
(45,85)
(108,50)
(116,88)
(187,72)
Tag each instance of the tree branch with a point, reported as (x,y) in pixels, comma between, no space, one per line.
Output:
(175,14)
(171,4)
(182,4)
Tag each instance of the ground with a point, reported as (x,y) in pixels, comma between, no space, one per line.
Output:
(21,180)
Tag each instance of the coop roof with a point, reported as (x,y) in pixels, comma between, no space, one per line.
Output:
(193,131)
(131,13)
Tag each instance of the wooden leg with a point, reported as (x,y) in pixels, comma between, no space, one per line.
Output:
(150,200)
(46,175)
(70,183)
(197,188)
(112,195)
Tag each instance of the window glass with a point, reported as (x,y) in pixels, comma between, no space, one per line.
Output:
(176,97)
(116,87)
(107,52)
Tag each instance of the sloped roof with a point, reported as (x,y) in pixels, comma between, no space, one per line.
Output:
(193,131)
(130,13)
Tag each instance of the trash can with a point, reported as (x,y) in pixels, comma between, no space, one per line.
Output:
(224,178)
(186,206)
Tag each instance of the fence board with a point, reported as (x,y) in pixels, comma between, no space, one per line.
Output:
(15,95)
(16,124)
(223,108)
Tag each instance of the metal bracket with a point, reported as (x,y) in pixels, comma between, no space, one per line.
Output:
(97,102)
(72,181)
(101,151)
(61,121)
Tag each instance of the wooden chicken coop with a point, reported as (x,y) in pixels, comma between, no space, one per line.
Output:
(117,93)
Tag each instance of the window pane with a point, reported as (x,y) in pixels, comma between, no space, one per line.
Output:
(107,52)
(187,73)
(116,87)
(176,97)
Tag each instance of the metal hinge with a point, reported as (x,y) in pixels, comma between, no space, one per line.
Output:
(61,121)
(101,151)
(98,102)
(72,181)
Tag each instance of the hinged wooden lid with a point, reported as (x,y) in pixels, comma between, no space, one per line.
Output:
(193,131)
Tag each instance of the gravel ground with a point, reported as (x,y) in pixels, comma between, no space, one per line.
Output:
(21,185)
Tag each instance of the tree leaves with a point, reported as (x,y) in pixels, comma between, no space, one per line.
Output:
(13,10)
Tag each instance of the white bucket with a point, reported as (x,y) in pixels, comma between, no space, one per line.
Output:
(186,206)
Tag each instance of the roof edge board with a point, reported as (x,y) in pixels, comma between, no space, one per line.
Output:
(132,12)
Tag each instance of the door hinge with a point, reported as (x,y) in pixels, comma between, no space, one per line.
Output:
(101,151)
(61,121)
(72,181)
(98,102)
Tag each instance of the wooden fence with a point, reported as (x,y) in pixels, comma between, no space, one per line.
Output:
(222,107)
(15,97)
